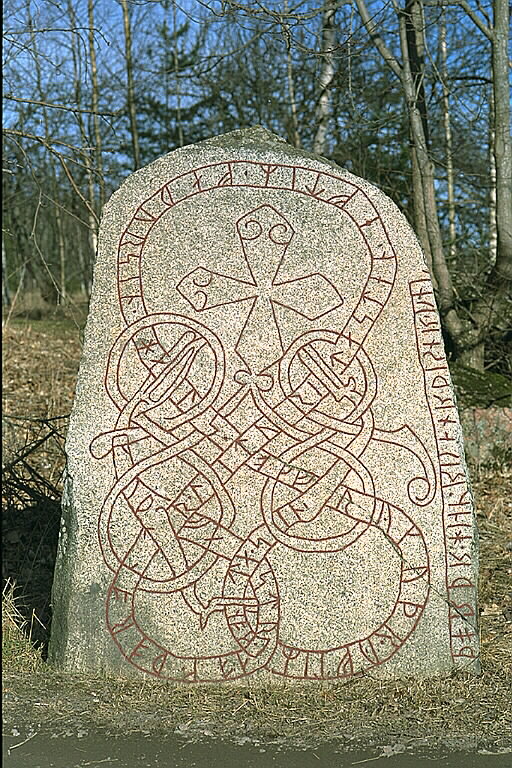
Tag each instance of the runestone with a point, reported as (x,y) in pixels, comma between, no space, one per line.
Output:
(266,476)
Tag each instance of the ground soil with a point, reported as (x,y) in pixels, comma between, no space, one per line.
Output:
(41,358)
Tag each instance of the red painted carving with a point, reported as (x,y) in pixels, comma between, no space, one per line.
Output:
(296,418)
(457,501)
(265,235)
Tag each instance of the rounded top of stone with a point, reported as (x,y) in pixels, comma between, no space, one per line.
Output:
(254,134)
(255,141)
(258,138)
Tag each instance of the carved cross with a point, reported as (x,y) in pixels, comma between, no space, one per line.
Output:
(265,235)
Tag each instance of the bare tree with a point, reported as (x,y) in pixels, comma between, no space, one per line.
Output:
(495,305)
(503,142)
(98,162)
(452,246)
(50,152)
(327,75)
(294,132)
(467,331)
(175,75)
(92,218)
(130,95)
(57,288)
(6,293)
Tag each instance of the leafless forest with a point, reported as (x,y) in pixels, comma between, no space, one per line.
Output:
(413,95)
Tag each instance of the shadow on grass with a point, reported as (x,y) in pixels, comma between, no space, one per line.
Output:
(31,518)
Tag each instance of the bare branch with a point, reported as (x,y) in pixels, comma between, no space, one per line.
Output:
(47,142)
(61,106)
(61,159)
(375,36)
(475,18)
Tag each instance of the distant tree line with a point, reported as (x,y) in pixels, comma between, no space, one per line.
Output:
(413,95)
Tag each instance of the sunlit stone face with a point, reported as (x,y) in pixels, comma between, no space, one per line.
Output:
(265,466)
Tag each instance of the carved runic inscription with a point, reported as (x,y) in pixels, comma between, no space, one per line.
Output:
(265,235)
(243,471)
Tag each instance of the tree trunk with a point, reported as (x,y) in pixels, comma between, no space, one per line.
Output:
(179,122)
(53,290)
(493,230)
(413,70)
(420,221)
(6,294)
(132,112)
(473,357)
(98,160)
(415,39)
(426,175)
(323,109)
(503,142)
(85,264)
(452,246)
(294,135)
(62,254)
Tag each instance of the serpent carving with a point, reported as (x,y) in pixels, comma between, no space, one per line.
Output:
(197,420)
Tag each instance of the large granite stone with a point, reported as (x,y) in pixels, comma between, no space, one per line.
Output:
(265,464)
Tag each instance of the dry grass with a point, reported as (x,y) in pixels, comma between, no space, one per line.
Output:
(493,493)
(39,367)
(40,364)
(461,711)
(18,647)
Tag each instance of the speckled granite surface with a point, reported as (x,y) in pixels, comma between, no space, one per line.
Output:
(265,465)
